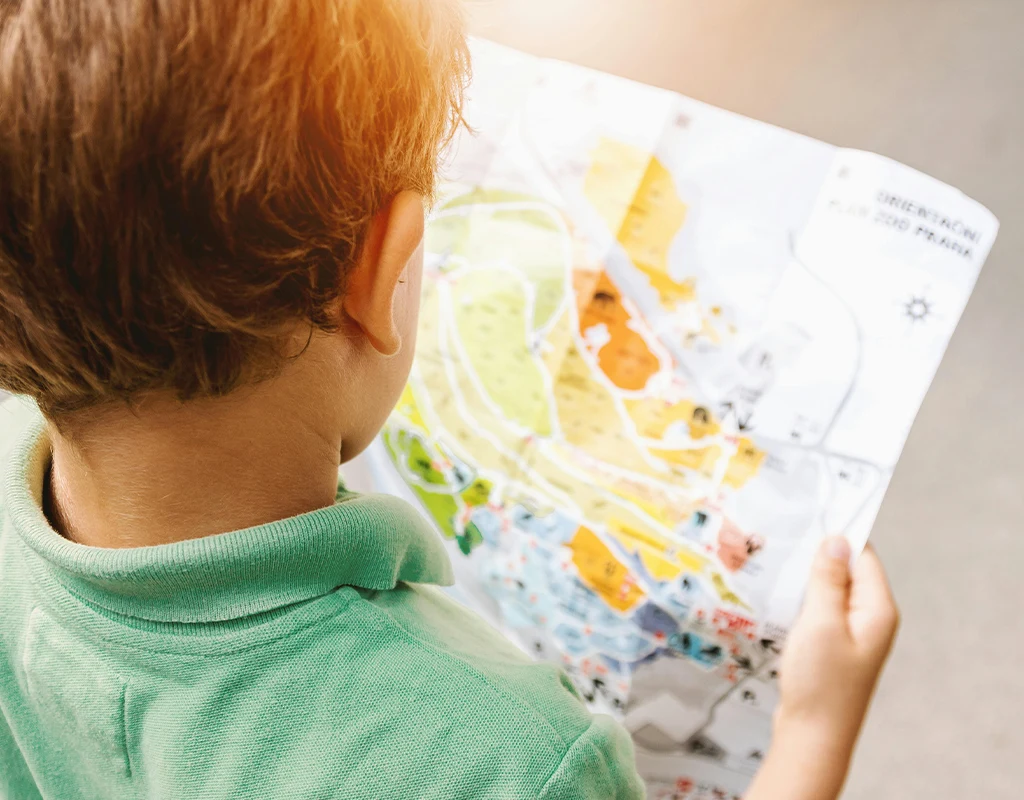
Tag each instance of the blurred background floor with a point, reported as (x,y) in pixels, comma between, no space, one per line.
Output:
(938,85)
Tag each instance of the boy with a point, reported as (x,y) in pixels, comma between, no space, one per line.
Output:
(210,259)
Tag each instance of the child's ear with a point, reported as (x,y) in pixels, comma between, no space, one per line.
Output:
(393,236)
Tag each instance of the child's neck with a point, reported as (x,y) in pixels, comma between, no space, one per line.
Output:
(175,471)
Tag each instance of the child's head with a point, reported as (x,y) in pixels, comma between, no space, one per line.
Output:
(193,191)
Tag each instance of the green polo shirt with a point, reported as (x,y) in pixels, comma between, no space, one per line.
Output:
(313,657)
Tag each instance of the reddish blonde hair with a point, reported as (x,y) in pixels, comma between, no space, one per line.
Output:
(183,180)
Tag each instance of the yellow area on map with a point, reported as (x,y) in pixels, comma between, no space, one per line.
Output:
(700,460)
(636,196)
(603,572)
(661,560)
(601,496)
(589,417)
(491,317)
(465,430)
(408,408)
(726,593)
(438,379)
(470,225)
(744,464)
(660,504)
(448,234)
(653,417)
(558,340)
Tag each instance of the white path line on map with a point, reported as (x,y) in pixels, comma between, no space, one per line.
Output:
(435,425)
(530,335)
(680,443)
(567,291)
(525,205)
(447,308)
(581,475)
(674,483)
(460,401)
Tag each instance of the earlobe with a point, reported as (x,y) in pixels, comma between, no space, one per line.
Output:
(391,241)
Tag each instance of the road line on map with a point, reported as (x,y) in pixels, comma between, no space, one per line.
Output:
(481,431)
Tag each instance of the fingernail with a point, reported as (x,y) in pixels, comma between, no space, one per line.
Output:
(837,548)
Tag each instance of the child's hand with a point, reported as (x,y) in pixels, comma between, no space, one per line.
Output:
(835,652)
(832,661)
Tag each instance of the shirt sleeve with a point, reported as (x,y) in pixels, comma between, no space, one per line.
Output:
(599,765)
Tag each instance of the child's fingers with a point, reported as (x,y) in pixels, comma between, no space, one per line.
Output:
(870,587)
(828,592)
(872,607)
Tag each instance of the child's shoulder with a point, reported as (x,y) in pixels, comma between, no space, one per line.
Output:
(486,716)
(464,651)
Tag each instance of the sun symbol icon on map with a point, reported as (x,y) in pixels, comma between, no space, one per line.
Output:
(917,309)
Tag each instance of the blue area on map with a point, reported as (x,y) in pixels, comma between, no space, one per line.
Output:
(625,645)
(606,618)
(488,523)
(572,639)
(678,606)
(614,665)
(553,527)
(680,597)
(694,647)
(655,620)
(517,615)
(578,601)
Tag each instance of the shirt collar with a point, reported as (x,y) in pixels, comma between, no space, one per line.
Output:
(366,541)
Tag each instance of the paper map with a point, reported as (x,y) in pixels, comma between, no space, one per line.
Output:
(663,351)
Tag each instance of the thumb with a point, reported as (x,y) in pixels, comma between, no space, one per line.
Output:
(828,592)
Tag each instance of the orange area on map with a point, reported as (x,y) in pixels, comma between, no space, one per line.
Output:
(744,464)
(603,572)
(625,358)
(653,416)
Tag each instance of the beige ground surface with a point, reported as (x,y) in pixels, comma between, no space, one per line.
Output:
(939,85)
